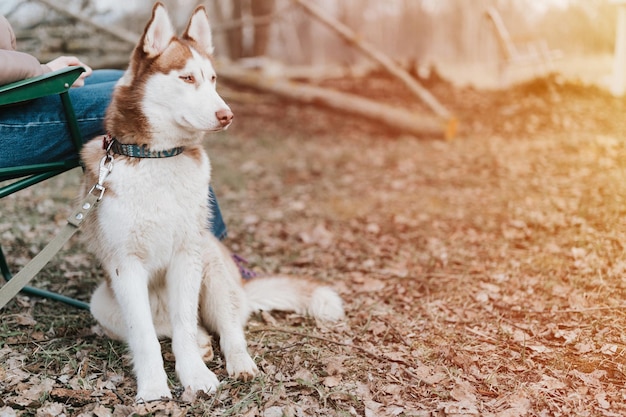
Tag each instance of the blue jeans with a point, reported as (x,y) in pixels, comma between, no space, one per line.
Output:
(36,132)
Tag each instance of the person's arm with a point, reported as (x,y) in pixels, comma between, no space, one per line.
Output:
(16,66)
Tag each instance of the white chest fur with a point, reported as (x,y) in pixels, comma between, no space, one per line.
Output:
(155,207)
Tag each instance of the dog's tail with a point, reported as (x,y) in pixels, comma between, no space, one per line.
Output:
(299,295)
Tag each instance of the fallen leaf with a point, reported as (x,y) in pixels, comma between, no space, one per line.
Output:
(102,411)
(550,383)
(519,406)
(371,408)
(51,410)
(332,381)
(602,402)
(7,412)
(274,411)
(429,375)
(25,320)
(609,349)
(463,392)
(460,408)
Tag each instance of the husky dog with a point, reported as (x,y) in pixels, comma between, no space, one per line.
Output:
(166,275)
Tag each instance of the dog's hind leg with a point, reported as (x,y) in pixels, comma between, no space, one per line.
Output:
(205,344)
(129,281)
(183,287)
(106,311)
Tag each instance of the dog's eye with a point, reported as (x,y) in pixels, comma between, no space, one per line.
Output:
(188,78)
(214,79)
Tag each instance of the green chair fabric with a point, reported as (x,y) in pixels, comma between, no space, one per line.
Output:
(20,177)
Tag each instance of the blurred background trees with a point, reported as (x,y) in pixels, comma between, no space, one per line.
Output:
(414,32)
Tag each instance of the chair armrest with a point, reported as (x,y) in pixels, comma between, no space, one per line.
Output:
(55,82)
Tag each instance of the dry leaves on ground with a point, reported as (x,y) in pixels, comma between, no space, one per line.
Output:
(482,276)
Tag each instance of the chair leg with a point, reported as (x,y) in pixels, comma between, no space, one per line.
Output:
(56,297)
(4,268)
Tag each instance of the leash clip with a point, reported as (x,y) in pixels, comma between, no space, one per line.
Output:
(106,166)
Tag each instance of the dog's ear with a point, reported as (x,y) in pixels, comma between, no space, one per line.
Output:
(159,32)
(199,30)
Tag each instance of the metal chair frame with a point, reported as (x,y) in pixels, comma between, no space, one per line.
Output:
(20,177)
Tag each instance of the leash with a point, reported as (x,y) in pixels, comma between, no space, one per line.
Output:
(111,146)
(19,280)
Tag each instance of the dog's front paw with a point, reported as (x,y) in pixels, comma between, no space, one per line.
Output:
(147,394)
(200,379)
(241,366)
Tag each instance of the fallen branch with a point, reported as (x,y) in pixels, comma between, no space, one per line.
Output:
(393,117)
(347,34)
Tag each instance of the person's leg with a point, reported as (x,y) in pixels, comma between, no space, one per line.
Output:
(217,225)
(36,132)
(103,76)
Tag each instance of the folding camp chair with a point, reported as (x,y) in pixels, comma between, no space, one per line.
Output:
(20,177)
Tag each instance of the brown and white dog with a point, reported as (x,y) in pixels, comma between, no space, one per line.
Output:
(149,231)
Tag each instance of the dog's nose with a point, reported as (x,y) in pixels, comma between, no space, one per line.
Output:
(225,116)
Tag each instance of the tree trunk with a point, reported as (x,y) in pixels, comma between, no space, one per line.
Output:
(261,8)
(235,34)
